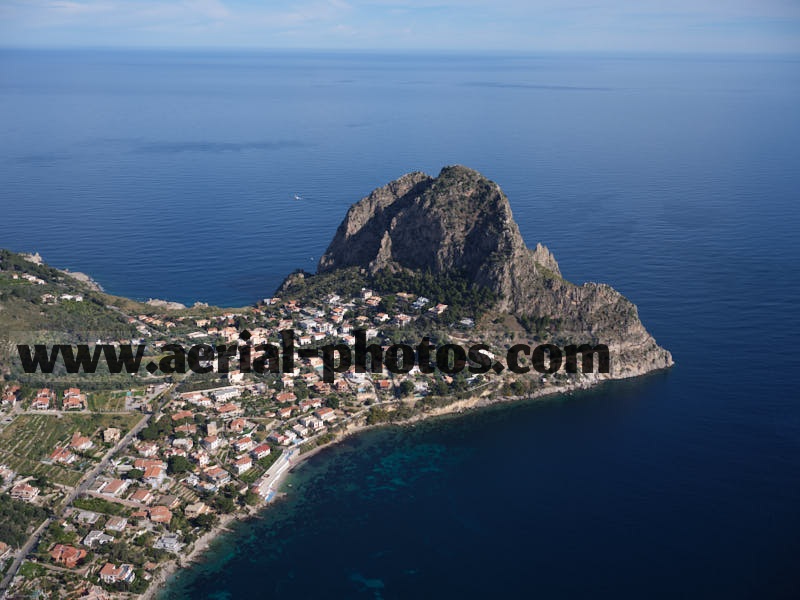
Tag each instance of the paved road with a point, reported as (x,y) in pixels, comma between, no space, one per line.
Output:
(86,481)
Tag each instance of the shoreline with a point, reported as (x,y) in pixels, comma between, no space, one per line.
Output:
(162,575)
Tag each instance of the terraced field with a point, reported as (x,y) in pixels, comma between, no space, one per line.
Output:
(31,438)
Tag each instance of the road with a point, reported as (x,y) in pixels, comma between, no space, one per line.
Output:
(85,482)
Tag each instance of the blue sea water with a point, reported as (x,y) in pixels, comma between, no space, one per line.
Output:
(675,179)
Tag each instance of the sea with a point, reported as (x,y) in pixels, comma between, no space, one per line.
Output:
(199,176)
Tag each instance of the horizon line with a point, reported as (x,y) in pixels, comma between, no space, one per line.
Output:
(611,53)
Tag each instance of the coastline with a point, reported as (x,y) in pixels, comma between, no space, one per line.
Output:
(162,576)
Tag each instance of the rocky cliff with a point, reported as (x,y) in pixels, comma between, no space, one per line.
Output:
(460,222)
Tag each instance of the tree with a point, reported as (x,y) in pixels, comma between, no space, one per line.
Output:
(178,464)
(407,387)
(134,474)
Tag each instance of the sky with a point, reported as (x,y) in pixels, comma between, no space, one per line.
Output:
(685,26)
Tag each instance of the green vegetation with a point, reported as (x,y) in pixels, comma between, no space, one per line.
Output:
(177,465)
(18,519)
(325,438)
(100,505)
(31,437)
(345,282)
(464,298)
(106,401)
(157,430)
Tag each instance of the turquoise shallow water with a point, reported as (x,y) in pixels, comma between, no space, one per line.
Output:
(675,180)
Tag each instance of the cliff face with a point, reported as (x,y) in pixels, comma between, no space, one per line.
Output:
(460,222)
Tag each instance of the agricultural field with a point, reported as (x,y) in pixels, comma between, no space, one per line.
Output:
(30,438)
(106,400)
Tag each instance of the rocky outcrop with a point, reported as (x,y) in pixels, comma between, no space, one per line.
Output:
(461,222)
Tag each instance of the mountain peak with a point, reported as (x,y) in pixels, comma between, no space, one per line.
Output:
(460,224)
(459,221)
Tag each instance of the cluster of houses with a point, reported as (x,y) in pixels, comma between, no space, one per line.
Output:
(28,277)
(222,438)
(53,299)
(45,399)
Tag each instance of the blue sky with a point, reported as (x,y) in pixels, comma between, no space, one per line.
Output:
(726,26)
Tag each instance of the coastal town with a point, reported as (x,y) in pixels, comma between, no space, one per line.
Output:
(124,484)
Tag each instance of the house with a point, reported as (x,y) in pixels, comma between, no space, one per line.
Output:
(115,487)
(242,465)
(169,542)
(285,397)
(243,444)
(44,399)
(142,495)
(321,387)
(145,463)
(111,435)
(147,449)
(237,425)
(224,394)
(182,414)
(185,443)
(229,410)
(277,438)
(187,428)
(160,514)
(87,517)
(311,422)
(62,455)
(325,414)
(402,319)
(438,309)
(117,524)
(80,442)
(286,411)
(73,403)
(217,475)
(96,538)
(260,451)
(10,395)
(200,400)
(200,457)
(67,556)
(235,376)
(24,492)
(420,302)
(5,551)
(192,511)
(300,429)
(154,476)
(211,443)
(6,474)
(110,573)
(72,393)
